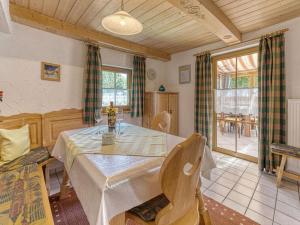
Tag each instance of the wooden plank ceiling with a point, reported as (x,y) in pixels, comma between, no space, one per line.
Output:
(166,27)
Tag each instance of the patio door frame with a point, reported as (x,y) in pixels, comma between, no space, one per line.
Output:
(216,58)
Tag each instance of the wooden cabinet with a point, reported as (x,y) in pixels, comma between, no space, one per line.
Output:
(156,102)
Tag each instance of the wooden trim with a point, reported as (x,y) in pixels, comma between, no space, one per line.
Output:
(34,121)
(46,203)
(212,17)
(129,84)
(236,154)
(214,74)
(37,20)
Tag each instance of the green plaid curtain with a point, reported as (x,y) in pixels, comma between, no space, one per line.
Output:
(138,86)
(203,96)
(272,98)
(93,85)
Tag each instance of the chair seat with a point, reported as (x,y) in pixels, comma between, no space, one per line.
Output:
(148,210)
(285,150)
(146,213)
(38,155)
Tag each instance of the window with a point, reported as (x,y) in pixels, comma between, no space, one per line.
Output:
(116,84)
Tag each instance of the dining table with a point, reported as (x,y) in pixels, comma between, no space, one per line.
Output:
(109,180)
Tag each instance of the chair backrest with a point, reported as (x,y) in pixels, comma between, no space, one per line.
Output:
(179,177)
(162,122)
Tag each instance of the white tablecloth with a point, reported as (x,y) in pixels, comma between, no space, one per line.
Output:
(134,179)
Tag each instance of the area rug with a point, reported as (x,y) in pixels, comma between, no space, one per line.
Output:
(70,212)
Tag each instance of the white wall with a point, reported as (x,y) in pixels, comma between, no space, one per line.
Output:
(20,56)
(186,91)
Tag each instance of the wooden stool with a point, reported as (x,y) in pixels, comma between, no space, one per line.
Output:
(285,151)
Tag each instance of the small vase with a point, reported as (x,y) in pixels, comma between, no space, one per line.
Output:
(162,88)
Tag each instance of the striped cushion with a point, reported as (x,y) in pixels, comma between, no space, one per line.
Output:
(38,155)
(148,210)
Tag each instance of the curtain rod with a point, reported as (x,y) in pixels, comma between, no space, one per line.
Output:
(250,40)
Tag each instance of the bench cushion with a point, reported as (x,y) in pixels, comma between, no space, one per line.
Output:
(148,210)
(38,155)
(284,149)
(21,199)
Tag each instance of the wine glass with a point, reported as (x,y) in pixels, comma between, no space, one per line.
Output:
(98,120)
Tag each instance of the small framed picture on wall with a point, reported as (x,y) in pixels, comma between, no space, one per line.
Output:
(50,71)
(185,74)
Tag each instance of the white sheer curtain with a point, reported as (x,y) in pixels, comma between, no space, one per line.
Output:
(246,102)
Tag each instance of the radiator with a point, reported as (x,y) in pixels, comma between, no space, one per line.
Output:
(294,131)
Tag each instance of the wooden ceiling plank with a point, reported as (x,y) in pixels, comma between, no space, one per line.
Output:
(277,15)
(24,3)
(49,7)
(37,20)
(146,7)
(183,40)
(173,33)
(63,9)
(292,13)
(92,11)
(263,5)
(260,13)
(36,5)
(77,10)
(207,13)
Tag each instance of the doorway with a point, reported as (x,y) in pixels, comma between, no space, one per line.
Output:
(235,127)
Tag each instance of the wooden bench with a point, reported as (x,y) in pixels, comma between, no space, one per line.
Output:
(23,194)
(285,151)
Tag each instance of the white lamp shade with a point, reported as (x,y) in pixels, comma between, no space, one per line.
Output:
(122,23)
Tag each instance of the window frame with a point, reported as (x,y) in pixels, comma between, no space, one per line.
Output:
(115,69)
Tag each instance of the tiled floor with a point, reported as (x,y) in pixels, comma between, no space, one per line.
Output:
(239,185)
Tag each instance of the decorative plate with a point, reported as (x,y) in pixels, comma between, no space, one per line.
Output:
(151,74)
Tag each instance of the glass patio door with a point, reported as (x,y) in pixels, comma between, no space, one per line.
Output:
(236,104)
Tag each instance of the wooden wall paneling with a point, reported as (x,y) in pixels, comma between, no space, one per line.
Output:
(33,120)
(56,122)
(173,110)
(50,7)
(148,109)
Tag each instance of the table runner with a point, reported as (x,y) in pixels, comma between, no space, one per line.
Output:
(107,185)
(130,141)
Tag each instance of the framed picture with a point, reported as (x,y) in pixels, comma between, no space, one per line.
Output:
(50,71)
(185,74)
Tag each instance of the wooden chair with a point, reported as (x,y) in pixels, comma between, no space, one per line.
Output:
(162,122)
(179,178)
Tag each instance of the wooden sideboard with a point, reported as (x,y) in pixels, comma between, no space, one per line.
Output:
(156,102)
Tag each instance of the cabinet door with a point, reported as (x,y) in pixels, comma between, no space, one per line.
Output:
(173,110)
(148,109)
(162,102)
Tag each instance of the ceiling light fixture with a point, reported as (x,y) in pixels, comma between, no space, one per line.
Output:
(122,23)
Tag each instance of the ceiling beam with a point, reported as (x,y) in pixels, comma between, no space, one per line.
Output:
(212,17)
(34,19)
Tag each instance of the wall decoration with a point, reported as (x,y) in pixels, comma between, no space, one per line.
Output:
(1,96)
(50,71)
(151,74)
(185,74)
